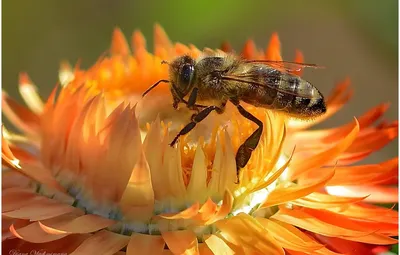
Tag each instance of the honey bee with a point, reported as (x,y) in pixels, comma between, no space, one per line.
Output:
(214,80)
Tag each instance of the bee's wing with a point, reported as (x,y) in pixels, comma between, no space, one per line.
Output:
(248,78)
(286,65)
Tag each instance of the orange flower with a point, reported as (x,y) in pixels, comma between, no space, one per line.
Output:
(92,172)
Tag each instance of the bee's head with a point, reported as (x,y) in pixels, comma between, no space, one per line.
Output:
(181,72)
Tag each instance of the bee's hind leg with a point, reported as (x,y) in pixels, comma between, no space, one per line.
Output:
(196,118)
(245,150)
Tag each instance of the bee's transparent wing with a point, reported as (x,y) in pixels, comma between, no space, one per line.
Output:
(286,65)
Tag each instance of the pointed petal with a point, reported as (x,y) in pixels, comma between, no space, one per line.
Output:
(185,214)
(249,49)
(284,194)
(119,45)
(299,58)
(224,209)
(145,244)
(41,210)
(162,44)
(376,194)
(181,242)
(290,237)
(34,234)
(103,242)
(198,178)
(244,229)
(75,224)
(29,93)
(23,119)
(301,166)
(306,221)
(138,198)
(273,51)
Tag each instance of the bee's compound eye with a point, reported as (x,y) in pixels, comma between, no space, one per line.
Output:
(186,74)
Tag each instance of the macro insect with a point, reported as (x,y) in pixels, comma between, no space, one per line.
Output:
(214,80)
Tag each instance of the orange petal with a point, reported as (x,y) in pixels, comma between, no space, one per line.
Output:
(301,166)
(376,194)
(284,194)
(75,224)
(290,237)
(299,58)
(34,233)
(223,210)
(181,242)
(226,47)
(15,198)
(21,117)
(119,45)
(103,242)
(185,214)
(306,221)
(273,51)
(323,201)
(41,210)
(207,210)
(162,44)
(249,50)
(145,244)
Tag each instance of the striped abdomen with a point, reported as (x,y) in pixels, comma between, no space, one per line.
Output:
(282,91)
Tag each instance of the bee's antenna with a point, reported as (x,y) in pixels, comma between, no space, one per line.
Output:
(153,86)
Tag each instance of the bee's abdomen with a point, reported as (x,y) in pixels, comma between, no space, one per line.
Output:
(287,93)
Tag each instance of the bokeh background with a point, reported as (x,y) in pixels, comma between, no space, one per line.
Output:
(355,38)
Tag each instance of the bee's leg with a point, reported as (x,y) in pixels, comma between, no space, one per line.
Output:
(192,98)
(195,119)
(245,150)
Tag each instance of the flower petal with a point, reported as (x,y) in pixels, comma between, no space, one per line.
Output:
(376,194)
(290,237)
(103,242)
(198,178)
(34,233)
(301,166)
(75,224)
(138,198)
(245,230)
(23,118)
(119,45)
(284,194)
(181,242)
(273,51)
(29,93)
(145,244)
(218,246)
(306,221)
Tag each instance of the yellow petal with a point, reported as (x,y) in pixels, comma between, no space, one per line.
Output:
(245,230)
(198,179)
(181,242)
(218,246)
(145,244)
(103,242)
(138,199)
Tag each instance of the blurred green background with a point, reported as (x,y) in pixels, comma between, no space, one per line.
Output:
(355,38)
